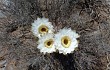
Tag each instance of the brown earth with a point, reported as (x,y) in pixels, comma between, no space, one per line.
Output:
(18,46)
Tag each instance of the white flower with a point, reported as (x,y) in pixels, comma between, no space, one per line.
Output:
(65,41)
(41,26)
(46,44)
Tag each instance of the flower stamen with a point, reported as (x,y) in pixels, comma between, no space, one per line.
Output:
(66,41)
(48,43)
(43,29)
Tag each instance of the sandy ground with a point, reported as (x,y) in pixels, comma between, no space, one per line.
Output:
(18,46)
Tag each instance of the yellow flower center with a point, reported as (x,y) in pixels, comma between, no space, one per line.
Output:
(48,43)
(43,29)
(66,41)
